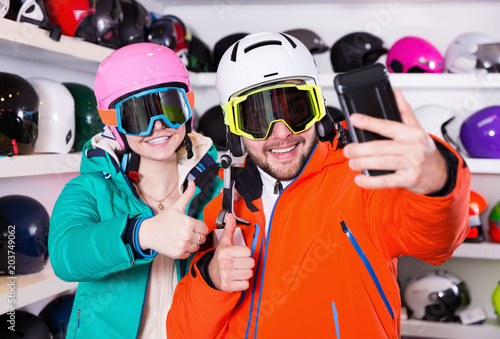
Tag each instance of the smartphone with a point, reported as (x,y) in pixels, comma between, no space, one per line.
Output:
(367,90)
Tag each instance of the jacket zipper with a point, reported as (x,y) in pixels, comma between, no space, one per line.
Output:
(368,266)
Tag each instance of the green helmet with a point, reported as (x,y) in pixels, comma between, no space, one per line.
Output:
(87,120)
(495,298)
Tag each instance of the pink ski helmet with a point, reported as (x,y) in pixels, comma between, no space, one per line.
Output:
(134,68)
(414,55)
(480,133)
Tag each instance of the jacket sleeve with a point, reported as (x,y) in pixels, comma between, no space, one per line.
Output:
(429,228)
(198,310)
(84,245)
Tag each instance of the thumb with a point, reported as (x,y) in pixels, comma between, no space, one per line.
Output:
(226,237)
(188,194)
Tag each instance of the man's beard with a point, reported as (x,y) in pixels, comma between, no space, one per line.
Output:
(284,172)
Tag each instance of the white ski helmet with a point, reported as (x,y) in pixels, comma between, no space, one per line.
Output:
(436,296)
(273,57)
(471,51)
(432,118)
(56,123)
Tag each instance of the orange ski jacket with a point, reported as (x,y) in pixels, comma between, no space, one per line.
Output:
(327,266)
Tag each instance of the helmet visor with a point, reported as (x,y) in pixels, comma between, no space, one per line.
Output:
(137,114)
(298,106)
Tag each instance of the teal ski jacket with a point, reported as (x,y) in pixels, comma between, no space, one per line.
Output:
(87,236)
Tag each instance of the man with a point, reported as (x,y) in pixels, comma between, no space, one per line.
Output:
(319,258)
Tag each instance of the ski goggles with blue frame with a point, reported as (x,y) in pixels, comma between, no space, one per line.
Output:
(137,114)
(299,106)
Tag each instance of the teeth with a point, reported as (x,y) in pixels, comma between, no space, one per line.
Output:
(158,140)
(283,150)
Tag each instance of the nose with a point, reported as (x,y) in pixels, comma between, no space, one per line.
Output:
(280,130)
(159,124)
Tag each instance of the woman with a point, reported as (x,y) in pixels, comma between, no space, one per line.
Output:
(127,226)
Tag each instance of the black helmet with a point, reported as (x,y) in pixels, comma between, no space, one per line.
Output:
(136,20)
(313,41)
(23,325)
(211,124)
(101,27)
(199,56)
(18,115)
(223,44)
(355,50)
(56,315)
(170,31)
(24,223)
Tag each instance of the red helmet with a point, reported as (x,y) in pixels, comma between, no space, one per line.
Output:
(68,14)
(477,205)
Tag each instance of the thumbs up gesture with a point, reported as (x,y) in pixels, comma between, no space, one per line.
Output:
(231,266)
(172,232)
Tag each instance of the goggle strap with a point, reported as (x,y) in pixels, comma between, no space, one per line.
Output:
(108,116)
(190,96)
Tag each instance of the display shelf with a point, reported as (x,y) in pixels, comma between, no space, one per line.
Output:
(490,329)
(39,164)
(30,288)
(483,250)
(28,42)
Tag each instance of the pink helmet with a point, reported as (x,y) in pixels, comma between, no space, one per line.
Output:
(414,55)
(136,67)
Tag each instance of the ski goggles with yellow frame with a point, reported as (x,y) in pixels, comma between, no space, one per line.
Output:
(298,106)
(137,114)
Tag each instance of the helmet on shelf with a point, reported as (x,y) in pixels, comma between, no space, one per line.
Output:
(432,117)
(135,68)
(68,14)
(436,296)
(414,55)
(170,31)
(27,326)
(310,39)
(87,120)
(199,56)
(356,50)
(56,315)
(18,115)
(223,44)
(211,124)
(101,27)
(136,20)
(25,220)
(56,120)
(495,298)
(494,223)
(480,132)
(31,12)
(470,52)
(477,205)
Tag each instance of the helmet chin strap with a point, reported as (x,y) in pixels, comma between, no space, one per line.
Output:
(189,146)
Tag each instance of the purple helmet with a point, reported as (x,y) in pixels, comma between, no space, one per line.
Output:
(480,133)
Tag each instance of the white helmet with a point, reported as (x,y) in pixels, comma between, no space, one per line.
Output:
(436,296)
(56,121)
(432,117)
(471,51)
(274,57)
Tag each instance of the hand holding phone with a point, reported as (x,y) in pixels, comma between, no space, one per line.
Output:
(367,90)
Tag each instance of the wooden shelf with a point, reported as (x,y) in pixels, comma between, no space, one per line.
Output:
(490,329)
(31,288)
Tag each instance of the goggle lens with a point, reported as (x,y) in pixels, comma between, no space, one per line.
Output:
(137,114)
(295,105)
